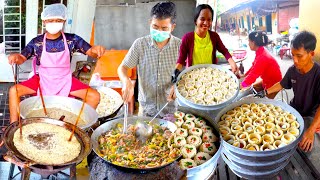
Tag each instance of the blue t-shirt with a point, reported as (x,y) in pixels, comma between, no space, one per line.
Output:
(75,44)
(306,89)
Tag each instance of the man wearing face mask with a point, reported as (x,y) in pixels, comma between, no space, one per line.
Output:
(52,52)
(155,57)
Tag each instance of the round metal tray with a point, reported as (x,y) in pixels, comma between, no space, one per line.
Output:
(206,107)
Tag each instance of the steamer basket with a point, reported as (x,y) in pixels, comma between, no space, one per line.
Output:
(259,164)
(188,103)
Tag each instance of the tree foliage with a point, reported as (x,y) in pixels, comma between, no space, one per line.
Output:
(220,7)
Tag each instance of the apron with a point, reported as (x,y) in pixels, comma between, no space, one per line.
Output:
(54,71)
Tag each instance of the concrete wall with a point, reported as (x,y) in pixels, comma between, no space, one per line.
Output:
(118,26)
(308,13)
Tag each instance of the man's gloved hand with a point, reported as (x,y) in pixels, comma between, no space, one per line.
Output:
(174,76)
(261,94)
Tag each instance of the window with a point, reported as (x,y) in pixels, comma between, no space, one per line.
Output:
(260,21)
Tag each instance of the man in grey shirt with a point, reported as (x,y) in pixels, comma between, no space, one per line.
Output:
(155,56)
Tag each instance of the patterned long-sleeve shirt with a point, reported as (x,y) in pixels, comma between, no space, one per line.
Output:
(154,67)
(75,44)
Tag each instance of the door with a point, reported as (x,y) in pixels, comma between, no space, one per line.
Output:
(242,22)
(248,23)
(269,24)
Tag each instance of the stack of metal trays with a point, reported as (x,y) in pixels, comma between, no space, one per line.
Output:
(259,164)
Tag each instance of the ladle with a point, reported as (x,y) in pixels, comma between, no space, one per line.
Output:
(144,130)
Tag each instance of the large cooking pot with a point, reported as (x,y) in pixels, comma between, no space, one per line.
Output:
(131,120)
(185,102)
(13,153)
(89,115)
(259,164)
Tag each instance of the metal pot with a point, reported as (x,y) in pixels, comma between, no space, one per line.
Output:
(131,120)
(90,116)
(205,170)
(13,153)
(188,103)
(259,164)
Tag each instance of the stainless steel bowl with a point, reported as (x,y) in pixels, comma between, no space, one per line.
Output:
(90,116)
(188,103)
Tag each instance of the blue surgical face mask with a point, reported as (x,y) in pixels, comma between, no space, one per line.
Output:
(159,36)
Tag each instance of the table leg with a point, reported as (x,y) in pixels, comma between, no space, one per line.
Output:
(25,173)
(73,172)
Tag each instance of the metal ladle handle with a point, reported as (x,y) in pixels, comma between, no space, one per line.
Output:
(125,118)
(158,112)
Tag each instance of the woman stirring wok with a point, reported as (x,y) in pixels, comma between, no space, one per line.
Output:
(53,51)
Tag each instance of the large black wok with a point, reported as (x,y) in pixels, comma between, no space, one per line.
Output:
(131,120)
(13,153)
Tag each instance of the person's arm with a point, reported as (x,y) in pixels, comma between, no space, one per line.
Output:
(26,53)
(255,71)
(80,45)
(234,67)
(183,52)
(130,61)
(306,144)
(16,58)
(96,51)
(222,49)
(127,87)
(284,83)
(275,88)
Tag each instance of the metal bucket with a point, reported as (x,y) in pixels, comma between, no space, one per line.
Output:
(205,170)
(206,107)
(89,115)
(259,164)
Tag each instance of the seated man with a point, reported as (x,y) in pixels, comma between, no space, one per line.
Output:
(304,78)
(53,51)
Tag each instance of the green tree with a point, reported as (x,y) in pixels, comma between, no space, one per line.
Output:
(220,7)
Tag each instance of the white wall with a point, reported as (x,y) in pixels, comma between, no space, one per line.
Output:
(80,21)
(31,20)
(5,69)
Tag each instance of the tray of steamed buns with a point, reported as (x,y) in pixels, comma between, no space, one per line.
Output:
(196,138)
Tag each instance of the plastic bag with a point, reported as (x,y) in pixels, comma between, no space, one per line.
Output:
(97,81)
